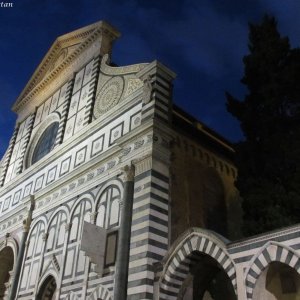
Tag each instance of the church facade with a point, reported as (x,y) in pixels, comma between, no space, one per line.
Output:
(110,191)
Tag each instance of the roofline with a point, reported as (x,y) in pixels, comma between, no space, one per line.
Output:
(201,127)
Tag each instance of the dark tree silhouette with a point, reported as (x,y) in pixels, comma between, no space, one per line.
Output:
(268,158)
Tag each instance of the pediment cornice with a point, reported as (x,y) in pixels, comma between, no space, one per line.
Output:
(70,46)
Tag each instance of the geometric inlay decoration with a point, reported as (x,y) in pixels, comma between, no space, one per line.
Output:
(108,96)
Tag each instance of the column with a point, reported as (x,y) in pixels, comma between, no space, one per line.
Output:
(17,269)
(122,261)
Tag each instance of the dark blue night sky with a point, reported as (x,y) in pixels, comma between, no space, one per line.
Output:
(203,41)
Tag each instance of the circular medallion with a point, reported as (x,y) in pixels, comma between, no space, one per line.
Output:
(108,96)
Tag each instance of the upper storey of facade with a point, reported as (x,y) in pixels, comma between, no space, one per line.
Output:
(79,110)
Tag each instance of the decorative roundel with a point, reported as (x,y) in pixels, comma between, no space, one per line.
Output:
(108,96)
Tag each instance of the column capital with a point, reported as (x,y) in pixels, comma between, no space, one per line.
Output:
(128,172)
(93,217)
(68,227)
(45,236)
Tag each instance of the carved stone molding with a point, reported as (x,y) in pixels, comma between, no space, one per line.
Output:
(109,96)
(108,70)
(143,164)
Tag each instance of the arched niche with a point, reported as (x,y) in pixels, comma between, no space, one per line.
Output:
(207,280)
(6,267)
(47,290)
(278,281)
(272,252)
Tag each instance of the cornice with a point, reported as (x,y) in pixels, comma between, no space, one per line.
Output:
(265,236)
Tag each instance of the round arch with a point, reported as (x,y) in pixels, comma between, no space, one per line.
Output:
(100,292)
(88,197)
(115,182)
(194,240)
(8,255)
(47,286)
(270,252)
(12,243)
(41,219)
(63,209)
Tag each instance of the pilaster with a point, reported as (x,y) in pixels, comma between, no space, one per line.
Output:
(8,154)
(157,91)
(150,220)
(64,115)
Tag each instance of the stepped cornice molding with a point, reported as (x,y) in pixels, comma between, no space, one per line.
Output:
(109,70)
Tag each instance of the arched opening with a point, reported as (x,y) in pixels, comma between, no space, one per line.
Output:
(6,266)
(207,280)
(48,289)
(277,282)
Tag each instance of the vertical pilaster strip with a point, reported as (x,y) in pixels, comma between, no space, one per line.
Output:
(8,154)
(64,114)
(157,95)
(122,261)
(25,143)
(92,92)
(68,227)
(17,269)
(149,230)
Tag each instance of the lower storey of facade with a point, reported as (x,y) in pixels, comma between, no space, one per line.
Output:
(199,265)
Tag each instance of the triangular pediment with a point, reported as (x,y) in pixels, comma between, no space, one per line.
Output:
(64,49)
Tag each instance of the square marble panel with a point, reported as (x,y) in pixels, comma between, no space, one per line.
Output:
(6,203)
(69,128)
(84,95)
(39,183)
(80,156)
(54,101)
(27,190)
(74,105)
(17,197)
(97,145)
(65,166)
(116,133)
(78,81)
(51,175)
(88,72)
(79,120)
(135,120)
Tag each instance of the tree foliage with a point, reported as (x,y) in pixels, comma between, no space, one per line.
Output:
(269,157)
